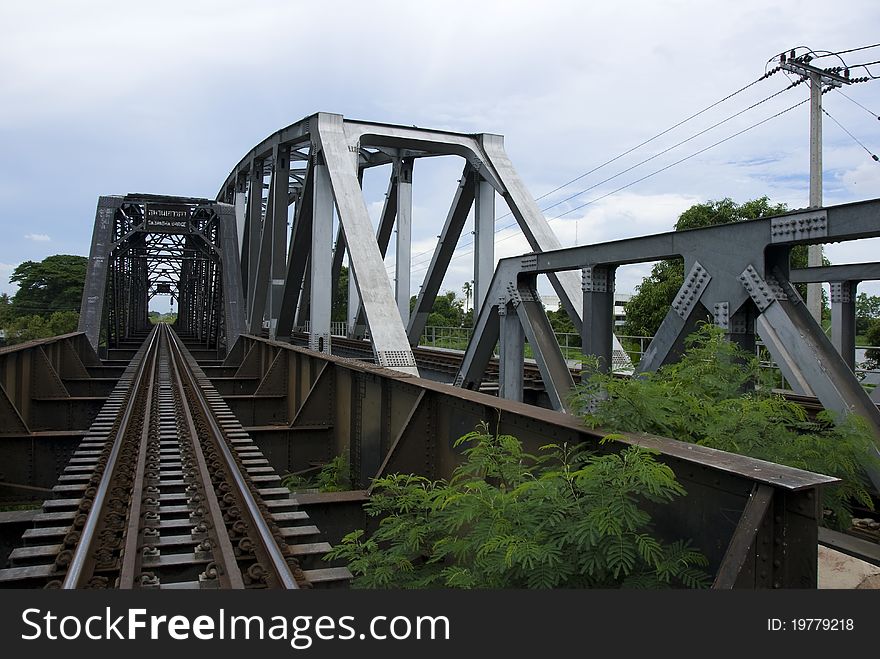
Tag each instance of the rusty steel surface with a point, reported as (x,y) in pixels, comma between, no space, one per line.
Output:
(166,490)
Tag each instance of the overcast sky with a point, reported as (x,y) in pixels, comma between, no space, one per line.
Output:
(165,97)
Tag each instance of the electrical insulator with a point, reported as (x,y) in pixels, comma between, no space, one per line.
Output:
(846,73)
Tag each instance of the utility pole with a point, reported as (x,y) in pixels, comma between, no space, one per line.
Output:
(817,77)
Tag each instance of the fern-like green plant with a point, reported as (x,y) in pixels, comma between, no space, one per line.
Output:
(333,476)
(718,395)
(507,519)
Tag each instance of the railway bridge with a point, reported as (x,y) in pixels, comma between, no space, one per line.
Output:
(159,452)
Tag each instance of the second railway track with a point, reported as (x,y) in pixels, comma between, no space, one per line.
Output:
(167,490)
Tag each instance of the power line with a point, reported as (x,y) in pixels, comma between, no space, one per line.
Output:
(849,50)
(857,141)
(674,146)
(677,162)
(766,75)
(510,225)
(654,173)
(873,114)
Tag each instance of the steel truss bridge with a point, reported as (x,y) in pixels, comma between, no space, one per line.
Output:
(159,453)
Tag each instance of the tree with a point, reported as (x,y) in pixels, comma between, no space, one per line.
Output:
(339,310)
(710,398)
(647,308)
(867,311)
(30,327)
(873,338)
(447,311)
(53,284)
(507,519)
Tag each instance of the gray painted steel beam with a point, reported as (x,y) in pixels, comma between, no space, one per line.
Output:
(448,239)
(597,335)
(259,282)
(280,210)
(297,257)
(511,353)
(233,297)
(558,383)
(484,240)
(792,337)
(844,272)
(403,243)
(320,261)
(386,332)
(843,320)
(253,227)
(95,289)
(356,324)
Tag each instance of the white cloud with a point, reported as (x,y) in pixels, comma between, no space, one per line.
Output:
(38,237)
(6,269)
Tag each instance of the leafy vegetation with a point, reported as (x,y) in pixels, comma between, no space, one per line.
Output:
(331,477)
(717,395)
(47,300)
(507,519)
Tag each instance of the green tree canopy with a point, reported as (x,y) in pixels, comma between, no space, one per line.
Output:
(867,311)
(53,284)
(448,310)
(647,308)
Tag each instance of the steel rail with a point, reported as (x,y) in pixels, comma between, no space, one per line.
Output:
(230,576)
(76,571)
(264,536)
(130,559)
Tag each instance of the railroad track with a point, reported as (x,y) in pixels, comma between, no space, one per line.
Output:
(167,490)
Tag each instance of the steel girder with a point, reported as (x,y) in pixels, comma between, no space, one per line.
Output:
(346,148)
(737,277)
(144,245)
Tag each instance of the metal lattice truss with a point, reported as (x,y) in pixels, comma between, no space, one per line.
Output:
(316,166)
(737,277)
(148,245)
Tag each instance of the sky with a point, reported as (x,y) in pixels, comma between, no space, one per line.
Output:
(165,97)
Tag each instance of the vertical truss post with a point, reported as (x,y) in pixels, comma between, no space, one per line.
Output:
(233,297)
(322,236)
(253,228)
(484,240)
(95,290)
(403,247)
(597,335)
(280,205)
(448,239)
(511,354)
(297,258)
(843,320)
